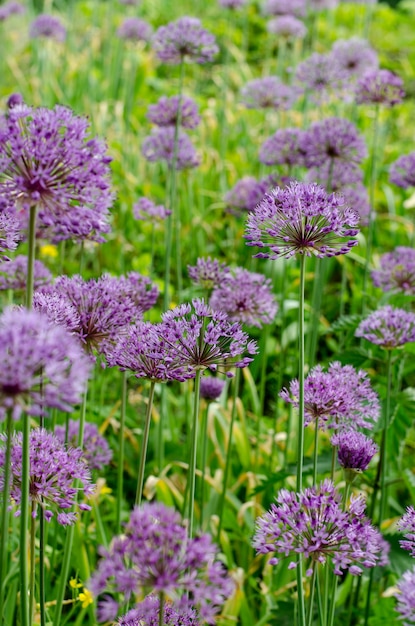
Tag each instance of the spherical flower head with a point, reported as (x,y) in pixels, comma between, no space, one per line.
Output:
(232,4)
(53,472)
(43,366)
(248,192)
(246,297)
(353,57)
(297,8)
(14,100)
(184,39)
(287,26)
(206,338)
(406,597)
(313,523)
(379,87)
(356,195)
(155,555)
(388,327)
(397,271)
(48,160)
(166,112)
(402,171)
(284,147)
(332,140)
(135,29)
(148,612)
(302,219)
(268,93)
(354,450)
(131,3)
(207,273)
(143,293)
(95,449)
(341,398)
(145,209)
(13,274)
(406,525)
(160,146)
(58,310)
(319,76)
(211,388)
(9,226)
(321,5)
(47,26)
(11,8)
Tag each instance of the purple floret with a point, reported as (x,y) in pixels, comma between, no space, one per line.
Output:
(388,327)
(402,171)
(207,273)
(95,449)
(397,271)
(353,57)
(318,75)
(268,93)
(135,29)
(145,209)
(297,8)
(354,449)
(166,112)
(379,87)
(184,39)
(47,26)
(284,147)
(287,26)
(331,141)
(406,525)
(160,146)
(405,596)
(211,388)
(13,274)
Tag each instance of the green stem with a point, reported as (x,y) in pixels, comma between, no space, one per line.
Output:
(384,455)
(203,463)
(32,561)
(120,467)
(192,463)
(144,445)
(161,608)
(315,453)
(4,528)
(24,520)
(312,591)
(42,568)
(335,579)
(31,240)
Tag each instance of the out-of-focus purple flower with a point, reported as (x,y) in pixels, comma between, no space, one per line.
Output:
(284,147)
(148,612)
(53,472)
(336,174)
(379,87)
(406,525)
(354,449)
(402,171)
(287,26)
(47,26)
(285,7)
(131,3)
(159,146)
(341,398)
(9,226)
(313,523)
(47,159)
(268,93)
(140,289)
(353,57)
(154,554)
(58,310)
(11,8)
(14,100)
(397,271)
(245,297)
(146,209)
(207,273)
(184,39)
(406,597)
(388,327)
(318,75)
(356,196)
(43,366)
(321,5)
(95,449)
(135,29)
(107,609)
(13,274)
(232,4)
(211,388)
(302,219)
(248,192)
(166,112)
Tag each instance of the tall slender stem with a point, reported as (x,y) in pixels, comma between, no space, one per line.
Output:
(335,579)
(192,462)
(315,454)
(32,560)
(4,528)
(24,520)
(384,451)
(161,608)
(144,445)
(120,469)
(203,463)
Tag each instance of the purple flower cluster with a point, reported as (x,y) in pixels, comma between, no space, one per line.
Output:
(9,226)
(13,273)
(169,111)
(163,145)
(287,26)
(402,171)
(352,58)
(47,26)
(268,93)
(146,209)
(53,472)
(354,449)
(211,388)
(154,554)
(319,75)
(389,327)
(406,597)
(284,147)
(379,87)
(207,273)
(313,523)
(297,8)
(11,8)
(95,449)
(406,525)
(184,39)
(135,29)
(397,271)
(341,398)
(248,192)
(232,4)
(148,612)
(302,219)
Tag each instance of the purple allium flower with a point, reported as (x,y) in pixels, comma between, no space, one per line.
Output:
(321,5)
(166,112)
(302,219)
(406,597)
(287,26)
(232,4)
(159,146)
(355,450)
(207,273)
(313,523)
(353,57)
(53,472)
(107,609)
(139,288)
(284,147)
(285,7)
(43,366)
(318,75)
(13,274)
(248,192)
(146,209)
(335,175)
(268,93)
(131,3)
(356,195)
(379,87)
(406,525)
(47,26)
(204,338)
(341,398)
(245,297)
(58,310)
(154,554)
(95,449)
(402,171)
(211,388)
(47,159)
(397,271)
(184,39)
(388,327)
(14,100)
(135,29)
(11,8)
(148,612)
(9,226)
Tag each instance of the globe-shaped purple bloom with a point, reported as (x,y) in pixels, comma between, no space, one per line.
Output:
(285,7)
(388,327)
(9,226)
(207,273)
(166,112)
(135,29)
(13,274)
(145,209)
(11,8)
(406,597)
(332,140)
(184,39)
(284,147)
(355,195)
(268,93)
(397,271)
(247,193)
(353,57)
(287,26)
(47,26)
(402,171)
(301,219)
(379,87)
(160,146)
(148,612)
(232,4)
(406,525)
(318,75)
(211,388)
(95,449)
(354,450)
(58,310)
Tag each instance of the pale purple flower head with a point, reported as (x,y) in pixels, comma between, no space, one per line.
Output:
(166,112)
(146,209)
(11,8)
(397,271)
(43,366)
(207,273)
(14,100)
(355,195)
(332,140)
(321,5)
(130,3)
(284,147)
(312,523)
(302,219)
(335,175)
(318,75)
(388,327)
(48,159)
(287,26)
(159,146)
(58,310)
(406,597)
(184,39)
(353,57)
(47,26)
(379,87)
(248,192)
(232,4)
(54,468)
(148,612)
(402,171)
(211,388)
(268,93)
(406,525)
(135,29)
(155,554)
(245,297)
(285,7)
(354,449)
(13,273)
(341,398)
(9,226)
(95,449)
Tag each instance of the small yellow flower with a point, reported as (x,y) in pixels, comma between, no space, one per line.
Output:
(86,598)
(74,584)
(49,250)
